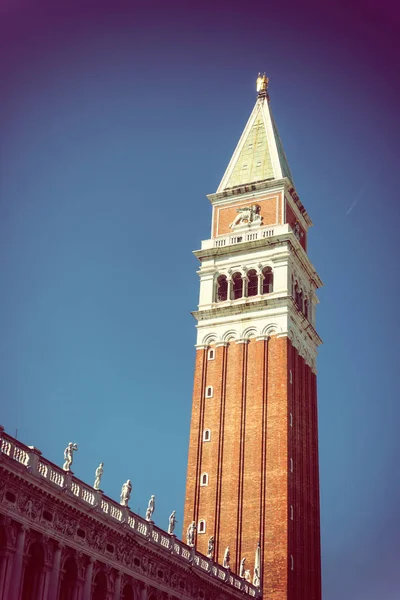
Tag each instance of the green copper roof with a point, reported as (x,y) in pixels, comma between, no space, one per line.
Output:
(281,153)
(259,154)
(254,161)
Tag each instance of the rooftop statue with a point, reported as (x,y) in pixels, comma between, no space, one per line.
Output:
(126,493)
(99,473)
(262,83)
(242,569)
(150,508)
(227,558)
(210,549)
(257,565)
(69,455)
(190,532)
(172,522)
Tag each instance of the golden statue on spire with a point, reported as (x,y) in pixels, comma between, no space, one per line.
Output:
(262,83)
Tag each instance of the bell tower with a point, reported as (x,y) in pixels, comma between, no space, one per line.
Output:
(253,477)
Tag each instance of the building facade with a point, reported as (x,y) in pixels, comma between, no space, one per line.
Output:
(61,539)
(253,475)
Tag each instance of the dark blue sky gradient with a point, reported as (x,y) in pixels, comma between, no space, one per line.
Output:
(117,118)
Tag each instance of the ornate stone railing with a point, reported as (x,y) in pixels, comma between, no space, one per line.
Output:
(244,236)
(30,458)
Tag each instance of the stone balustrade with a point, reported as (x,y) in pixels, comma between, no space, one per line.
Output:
(244,236)
(64,483)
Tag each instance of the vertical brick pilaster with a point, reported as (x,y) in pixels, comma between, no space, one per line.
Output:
(275,574)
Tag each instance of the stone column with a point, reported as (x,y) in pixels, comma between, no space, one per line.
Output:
(260,283)
(117,586)
(17,565)
(230,289)
(55,573)
(87,590)
(245,284)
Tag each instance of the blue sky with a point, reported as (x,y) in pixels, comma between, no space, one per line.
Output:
(117,119)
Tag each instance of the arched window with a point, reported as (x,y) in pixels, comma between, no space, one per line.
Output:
(209,391)
(298,296)
(34,573)
(222,288)
(306,307)
(206,435)
(211,354)
(268,280)
(204,479)
(237,285)
(100,586)
(69,579)
(252,285)
(201,526)
(300,300)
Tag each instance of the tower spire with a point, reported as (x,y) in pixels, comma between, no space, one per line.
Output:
(259,154)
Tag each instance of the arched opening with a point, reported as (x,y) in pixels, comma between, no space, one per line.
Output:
(298,296)
(204,479)
(32,588)
(127,592)
(252,283)
(306,307)
(100,586)
(237,283)
(201,526)
(206,435)
(211,354)
(69,579)
(222,288)
(268,281)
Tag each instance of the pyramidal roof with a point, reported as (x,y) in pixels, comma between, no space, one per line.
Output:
(259,154)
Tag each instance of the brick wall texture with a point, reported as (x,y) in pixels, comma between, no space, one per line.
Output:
(263,413)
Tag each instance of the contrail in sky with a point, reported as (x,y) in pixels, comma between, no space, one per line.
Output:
(358,198)
(352,205)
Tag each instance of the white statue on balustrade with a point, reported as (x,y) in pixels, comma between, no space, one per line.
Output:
(257,567)
(227,558)
(247,214)
(210,549)
(69,455)
(242,567)
(247,575)
(172,522)
(150,508)
(190,533)
(99,474)
(126,493)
